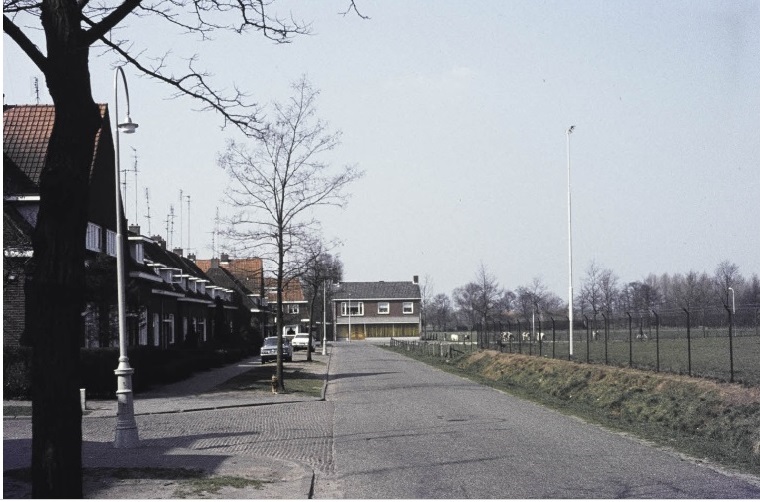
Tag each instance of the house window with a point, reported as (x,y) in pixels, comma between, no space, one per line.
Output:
(169,328)
(143,327)
(201,328)
(292,309)
(383,308)
(94,236)
(408,308)
(357,308)
(137,252)
(111,243)
(156,330)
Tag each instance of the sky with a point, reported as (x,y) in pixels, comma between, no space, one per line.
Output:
(458,112)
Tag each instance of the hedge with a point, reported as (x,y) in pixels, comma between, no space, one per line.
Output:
(153,366)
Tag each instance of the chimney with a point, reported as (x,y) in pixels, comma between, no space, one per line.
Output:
(158,240)
(135,229)
(225,258)
(177,251)
(416,279)
(214,262)
(191,257)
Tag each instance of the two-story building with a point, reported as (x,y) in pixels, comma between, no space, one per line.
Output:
(377,309)
(170,301)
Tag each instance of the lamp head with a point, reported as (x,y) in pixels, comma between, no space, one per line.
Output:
(570,131)
(128,127)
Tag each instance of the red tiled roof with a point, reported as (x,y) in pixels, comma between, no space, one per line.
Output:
(246,270)
(26,133)
(291,290)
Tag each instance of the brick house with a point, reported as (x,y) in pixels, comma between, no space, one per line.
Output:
(170,301)
(244,276)
(377,309)
(295,308)
(26,132)
(249,272)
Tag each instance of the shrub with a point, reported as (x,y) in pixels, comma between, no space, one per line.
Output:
(17,363)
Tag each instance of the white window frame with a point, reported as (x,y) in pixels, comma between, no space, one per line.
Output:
(94,237)
(156,330)
(139,252)
(293,308)
(201,328)
(384,308)
(110,242)
(357,309)
(408,308)
(169,328)
(142,327)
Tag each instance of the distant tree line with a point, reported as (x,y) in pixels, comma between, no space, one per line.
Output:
(601,292)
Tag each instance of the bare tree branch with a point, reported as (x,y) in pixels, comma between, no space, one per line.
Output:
(352,7)
(25,44)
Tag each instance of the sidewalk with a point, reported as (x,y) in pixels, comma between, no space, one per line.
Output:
(162,471)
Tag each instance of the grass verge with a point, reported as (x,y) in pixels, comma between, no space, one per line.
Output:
(298,380)
(701,418)
(192,483)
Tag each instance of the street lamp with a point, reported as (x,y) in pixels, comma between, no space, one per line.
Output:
(324,317)
(570,243)
(733,299)
(349,316)
(126,427)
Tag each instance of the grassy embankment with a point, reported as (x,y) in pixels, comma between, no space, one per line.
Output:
(698,417)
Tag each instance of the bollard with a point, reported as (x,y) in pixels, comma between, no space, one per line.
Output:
(274,384)
(82,400)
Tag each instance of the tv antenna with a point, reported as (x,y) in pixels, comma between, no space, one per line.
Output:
(147,206)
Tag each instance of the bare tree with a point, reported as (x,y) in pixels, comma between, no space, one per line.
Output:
(55,288)
(465,298)
(321,268)
(726,276)
(277,182)
(479,299)
(440,311)
(590,296)
(609,290)
(426,291)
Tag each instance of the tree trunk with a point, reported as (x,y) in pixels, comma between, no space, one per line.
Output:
(56,290)
(279,324)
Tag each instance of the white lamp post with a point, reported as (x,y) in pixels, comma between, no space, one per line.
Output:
(349,316)
(126,427)
(570,243)
(324,318)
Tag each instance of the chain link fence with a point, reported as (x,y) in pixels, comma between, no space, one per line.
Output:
(715,343)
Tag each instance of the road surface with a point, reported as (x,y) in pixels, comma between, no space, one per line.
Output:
(402,429)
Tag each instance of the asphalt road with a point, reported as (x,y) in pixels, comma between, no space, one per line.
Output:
(405,430)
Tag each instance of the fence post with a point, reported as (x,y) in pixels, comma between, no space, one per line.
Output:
(530,339)
(657,339)
(554,341)
(730,341)
(519,337)
(588,344)
(688,339)
(630,340)
(606,360)
(540,340)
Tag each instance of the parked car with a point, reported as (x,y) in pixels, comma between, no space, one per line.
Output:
(301,342)
(269,350)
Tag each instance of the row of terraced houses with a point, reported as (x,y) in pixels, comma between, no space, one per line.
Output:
(173,299)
